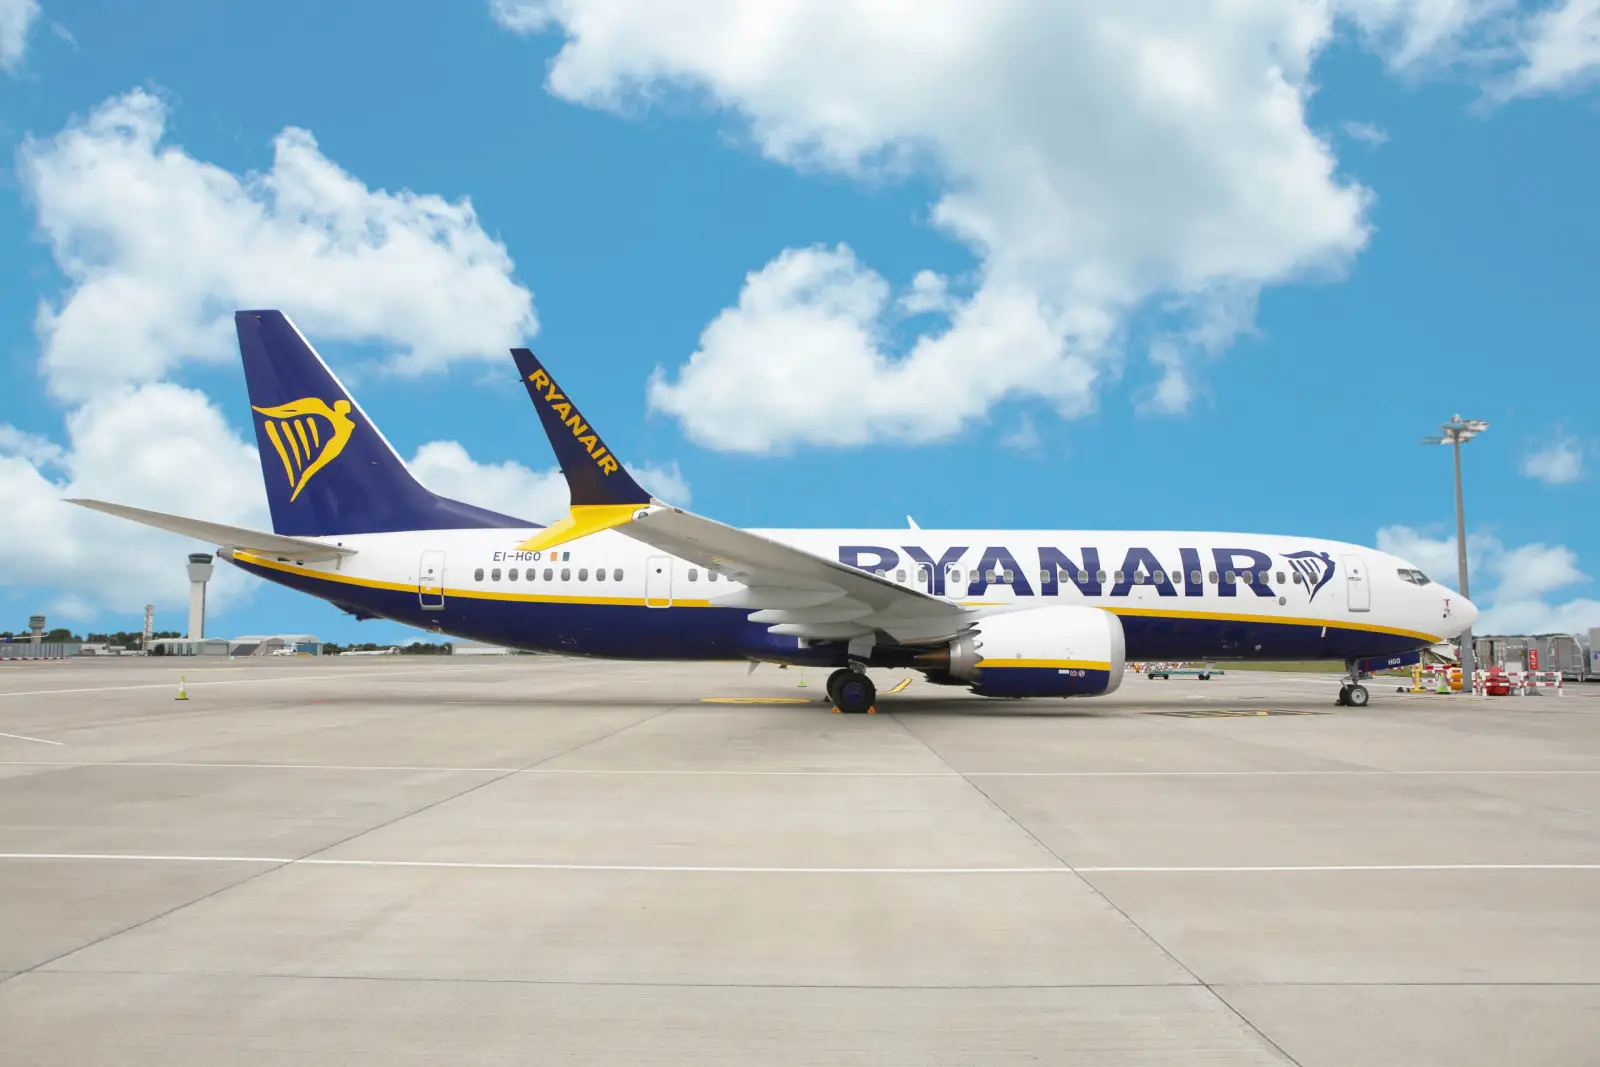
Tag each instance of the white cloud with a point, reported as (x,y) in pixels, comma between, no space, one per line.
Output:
(1097,159)
(1093,157)
(1513,584)
(159,248)
(1560,47)
(1024,437)
(1365,132)
(1558,463)
(512,489)
(1409,33)
(16,19)
(158,446)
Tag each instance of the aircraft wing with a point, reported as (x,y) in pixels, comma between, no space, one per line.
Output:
(793,591)
(266,544)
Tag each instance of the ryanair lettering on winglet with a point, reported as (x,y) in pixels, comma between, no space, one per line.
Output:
(569,417)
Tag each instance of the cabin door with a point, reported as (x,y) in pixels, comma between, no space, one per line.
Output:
(1358,594)
(430,581)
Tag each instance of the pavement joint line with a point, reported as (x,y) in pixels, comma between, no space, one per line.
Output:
(736,773)
(666,868)
(736,869)
(1077,873)
(22,737)
(208,682)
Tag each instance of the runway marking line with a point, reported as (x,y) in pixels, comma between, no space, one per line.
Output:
(244,681)
(21,737)
(713,772)
(643,868)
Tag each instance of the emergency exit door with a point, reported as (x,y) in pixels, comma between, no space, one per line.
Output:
(430,581)
(1358,594)
(658,582)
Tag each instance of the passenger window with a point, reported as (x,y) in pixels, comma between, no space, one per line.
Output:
(1280,577)
(1119,577)
(694,575)
(583,574)
(1138,577)
(477,575)
(1044,576)
(511,575)
(1213,577)
(991,577)
(494,575)
(899,576)
(1228,578)
(1011,576)
(566,574)
(599,574)
(924,574)
(548,573)
(1297,578)
(1100,576)
(711,576)
(616,574)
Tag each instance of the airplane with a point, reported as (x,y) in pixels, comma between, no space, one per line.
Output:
(1002,613)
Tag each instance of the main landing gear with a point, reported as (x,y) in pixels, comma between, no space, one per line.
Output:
(1353,694)
(851,691)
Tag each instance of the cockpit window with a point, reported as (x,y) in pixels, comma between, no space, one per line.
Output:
(1415,577)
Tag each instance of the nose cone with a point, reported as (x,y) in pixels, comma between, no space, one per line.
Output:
(1461,614)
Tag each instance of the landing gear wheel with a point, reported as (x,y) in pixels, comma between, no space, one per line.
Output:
(832,686)
(1356,696)
(855,694)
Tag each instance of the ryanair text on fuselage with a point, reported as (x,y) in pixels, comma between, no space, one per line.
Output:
(1228,570)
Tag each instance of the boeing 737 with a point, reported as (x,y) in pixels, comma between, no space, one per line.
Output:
(1004,613)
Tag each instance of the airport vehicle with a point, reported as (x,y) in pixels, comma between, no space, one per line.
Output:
(1006,613)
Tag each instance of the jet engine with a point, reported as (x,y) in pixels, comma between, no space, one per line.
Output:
(1065,651)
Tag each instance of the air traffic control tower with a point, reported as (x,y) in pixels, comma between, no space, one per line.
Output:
(199,575)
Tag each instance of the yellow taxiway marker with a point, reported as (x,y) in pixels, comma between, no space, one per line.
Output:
(756,700)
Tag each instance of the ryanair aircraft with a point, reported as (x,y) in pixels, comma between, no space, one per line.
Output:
(1008,613)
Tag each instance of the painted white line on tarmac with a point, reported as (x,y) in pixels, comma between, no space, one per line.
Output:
(734,773)
(208,683)
(41,740)
(654,868)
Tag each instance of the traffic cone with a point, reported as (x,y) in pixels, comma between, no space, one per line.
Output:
(802,683)
(183,692)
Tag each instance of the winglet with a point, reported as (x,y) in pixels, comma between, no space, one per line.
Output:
(604,494)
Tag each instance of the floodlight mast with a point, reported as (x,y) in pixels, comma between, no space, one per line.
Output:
(1455,433)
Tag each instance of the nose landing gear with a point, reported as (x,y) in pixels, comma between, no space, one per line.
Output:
(851,691)
(1353,694)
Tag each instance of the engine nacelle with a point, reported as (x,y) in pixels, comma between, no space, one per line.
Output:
(1065,651)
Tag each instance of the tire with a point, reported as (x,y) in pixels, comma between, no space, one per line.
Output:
(831,686)
(1357,696)
(854,695)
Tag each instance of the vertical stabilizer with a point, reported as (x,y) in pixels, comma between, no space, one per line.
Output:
(327,468)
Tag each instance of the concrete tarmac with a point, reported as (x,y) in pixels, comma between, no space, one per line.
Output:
(381,861)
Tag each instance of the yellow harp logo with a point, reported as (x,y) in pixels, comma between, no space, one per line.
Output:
(308,435)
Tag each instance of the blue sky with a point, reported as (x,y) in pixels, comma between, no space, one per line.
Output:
(997,275)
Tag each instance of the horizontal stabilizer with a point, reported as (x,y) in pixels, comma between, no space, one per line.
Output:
(216,533)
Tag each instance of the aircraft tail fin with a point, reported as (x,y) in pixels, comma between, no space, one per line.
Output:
(328,469)
(604,494)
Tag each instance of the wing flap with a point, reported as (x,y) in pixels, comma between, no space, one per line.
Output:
(216,533)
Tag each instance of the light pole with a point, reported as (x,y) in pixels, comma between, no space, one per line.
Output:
(1457,432)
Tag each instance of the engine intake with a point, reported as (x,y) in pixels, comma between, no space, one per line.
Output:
(1061,651)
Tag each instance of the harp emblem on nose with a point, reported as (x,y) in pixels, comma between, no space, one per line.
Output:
(307,435)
